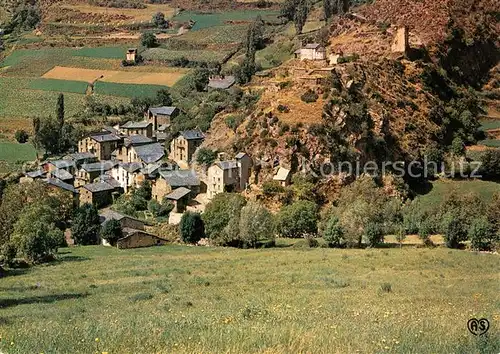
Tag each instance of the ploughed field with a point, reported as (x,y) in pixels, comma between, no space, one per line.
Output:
(178,299)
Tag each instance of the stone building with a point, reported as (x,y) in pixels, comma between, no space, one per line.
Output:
(283,176)
(99,194)
(184,145)
(159,116)
(90,171)
(220,82)
(170,180)
(131,55)
(137,128)
(179,198)
(311,51)
(401,41)
(229,176)
(127,174)
(138,238)
(101,144)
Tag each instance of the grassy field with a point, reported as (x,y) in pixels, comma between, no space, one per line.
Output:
(13,152)
(126,90)
(192,55)
(58,85)
(215,35)
(490,143)
(442,188)
(204,20)
(488,124)
(177,299)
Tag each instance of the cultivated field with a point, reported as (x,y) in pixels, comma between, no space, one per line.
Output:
(204,20)
(123,76)
(13,152)
(177,299)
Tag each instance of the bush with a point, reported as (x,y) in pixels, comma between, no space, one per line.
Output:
(148,40)
(386,287)
(455,231)
(112,231)
(374,234)
(298,220)
(481,234)
(219,212)
(206,156)
(271,188)
(191,227)
(255,225)
(21,136)
(283,109)
(309,96)
(86,225)
(333,233)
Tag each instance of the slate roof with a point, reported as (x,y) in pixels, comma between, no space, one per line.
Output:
(99,166)
(227,165)
(282,174)
(110,180)
(109,214)
(62,163)
(164,110)
(150,153)
(222,84)
(60,184)
(131,167)
(240,155)
(163,127)
(80,156)
(312,46)
(104,137)
(137,139)
(111,130)
(178,193)
(181,178)
(135,125)
(35,174)
(63,175)
(193,134)
(98,187)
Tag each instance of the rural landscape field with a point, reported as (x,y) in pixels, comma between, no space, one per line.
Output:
(249,176)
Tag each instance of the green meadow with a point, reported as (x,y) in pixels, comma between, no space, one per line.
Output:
(11,152)
(59,85)
(181,299)
(205,20)
(126,90)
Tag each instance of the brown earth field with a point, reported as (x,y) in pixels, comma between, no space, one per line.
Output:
(135,75)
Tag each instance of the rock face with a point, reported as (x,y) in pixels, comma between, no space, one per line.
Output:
(401,41)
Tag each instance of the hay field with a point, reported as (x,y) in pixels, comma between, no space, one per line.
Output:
(133,15)
(166,78)
(179,299)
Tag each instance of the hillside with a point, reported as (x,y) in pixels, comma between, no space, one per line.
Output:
(376,104)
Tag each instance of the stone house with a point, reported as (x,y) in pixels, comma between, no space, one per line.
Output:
(184,145)
(53,165)
(99,194)
(283,176)
(220,82)
(131,55)
(127,174)
(122,153)
(55,183)
(33,176)
(62,175)
(90,171)
(159,116)
(137,128)
(138,238)
(79,158)
(170,180)
(229,176)
(101,144)
(311,51)
(179,198)
(125,220)
(147,154)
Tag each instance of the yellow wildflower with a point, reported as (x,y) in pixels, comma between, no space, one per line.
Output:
(97,339)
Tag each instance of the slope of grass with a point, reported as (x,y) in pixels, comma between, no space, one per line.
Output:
(205,20)
(488,124)
(126,90)
(442,188)
(490,143)
(177,299)
(192,55)
(59,85)
(11,152)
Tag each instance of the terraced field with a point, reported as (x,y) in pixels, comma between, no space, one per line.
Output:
(204,20)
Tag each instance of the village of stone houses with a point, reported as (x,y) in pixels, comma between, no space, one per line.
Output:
(249,176)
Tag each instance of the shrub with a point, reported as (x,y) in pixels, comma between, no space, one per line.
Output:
(21,136)
(298,220)
(455,231)
(481,234)
(112,231)
(219,212)
(148,40)
(283,109)
(271,188)
(255,225)
(206,156)
(312,242)
(386,287)
(400,235)
(309,96)
(191,227)
(333,233)
(374,234)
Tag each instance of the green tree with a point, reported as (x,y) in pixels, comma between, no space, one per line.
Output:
(200,79)
(112,231)
(255,225)
(218,213)
(164,98)
(36,237)
(206,156)
(400,235)
(300,16)
(374,234)
(86,225)
(148,40)
(298,220)
(21,136)
(60,111)
(191,227)
(455,230)
(332,232)
(159,20)
(481,234)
